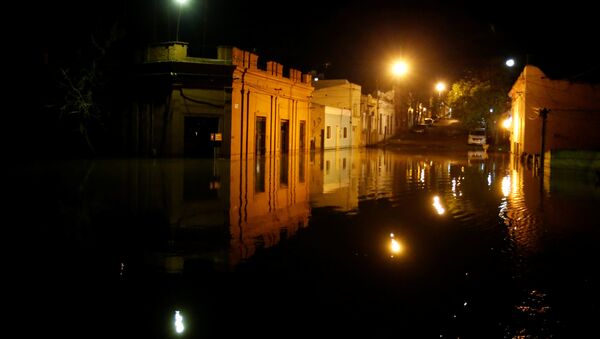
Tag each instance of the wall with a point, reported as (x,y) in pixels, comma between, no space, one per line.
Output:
(317,125)
(231,88)
(266,93)
(336,120)
(341,93)
(573,120)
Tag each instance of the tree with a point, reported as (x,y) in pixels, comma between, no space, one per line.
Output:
(477,103)
(83,107)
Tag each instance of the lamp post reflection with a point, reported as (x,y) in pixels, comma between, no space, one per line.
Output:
(395,246)
(438,205)
(399,70)
(179,328)
(440,87)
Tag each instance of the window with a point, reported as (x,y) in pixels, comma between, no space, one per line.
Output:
(328,132)
(345,132)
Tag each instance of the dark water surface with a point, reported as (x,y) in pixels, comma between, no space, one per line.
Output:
(363,243)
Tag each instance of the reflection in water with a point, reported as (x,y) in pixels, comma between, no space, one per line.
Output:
(335,184)
(179,328)
(505,257)
(395,245)
(506,185)
(438,206)
(261,218)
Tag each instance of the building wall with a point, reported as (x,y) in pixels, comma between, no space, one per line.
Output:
(267,94)
(194,102)
(199,91)
(378,111)
(386,115)
(342,94)
(317,126)
(368,107)
(338,127)
(573,120)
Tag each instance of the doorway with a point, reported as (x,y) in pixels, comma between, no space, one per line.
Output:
(261,130)
(285,136)
(196,136)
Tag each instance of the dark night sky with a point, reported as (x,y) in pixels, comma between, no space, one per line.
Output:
(358,38)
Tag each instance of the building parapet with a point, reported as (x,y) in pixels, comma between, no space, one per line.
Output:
(174,51)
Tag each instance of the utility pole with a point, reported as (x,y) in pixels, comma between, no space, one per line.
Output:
(543,113)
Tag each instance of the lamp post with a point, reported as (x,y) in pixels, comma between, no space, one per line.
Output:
(543,113)
(399,70)
(180,3)
(440,87)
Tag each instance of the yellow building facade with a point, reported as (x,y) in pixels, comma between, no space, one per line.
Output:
(343,94)
(228,107)
(573,118)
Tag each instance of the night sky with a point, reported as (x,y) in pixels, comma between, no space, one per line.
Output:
(356,39)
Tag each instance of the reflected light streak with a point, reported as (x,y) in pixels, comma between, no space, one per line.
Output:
(489,179)
(507,123)
(506,185)
(179,322)
(395,246)
(422,175)
(438,206)
(514,183)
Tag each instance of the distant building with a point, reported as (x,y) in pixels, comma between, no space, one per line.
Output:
(334,176)
(377,117)
(330,127)
(199,107)
(343,94)
(573,121)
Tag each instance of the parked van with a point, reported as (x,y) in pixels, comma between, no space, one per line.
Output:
(477,137)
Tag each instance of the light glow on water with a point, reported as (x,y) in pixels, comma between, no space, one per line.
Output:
(438,205)
(179,328)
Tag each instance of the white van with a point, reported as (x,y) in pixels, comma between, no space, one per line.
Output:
(477,137)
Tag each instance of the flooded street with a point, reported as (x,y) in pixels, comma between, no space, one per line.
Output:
(371,243)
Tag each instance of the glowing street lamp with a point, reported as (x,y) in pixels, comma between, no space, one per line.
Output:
(399,68)
(440,87)
(510,62)
(507,123)
(180,3)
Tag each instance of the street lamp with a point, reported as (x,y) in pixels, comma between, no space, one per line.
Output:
(440,87)
(180,3)
(399,70)
(507,123)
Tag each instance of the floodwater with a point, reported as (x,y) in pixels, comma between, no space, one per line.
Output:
(364,243)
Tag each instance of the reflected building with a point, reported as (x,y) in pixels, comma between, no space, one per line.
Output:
(179,213)
(269,199)
(534,205)
(249,204)
(334,180)
(376,172)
